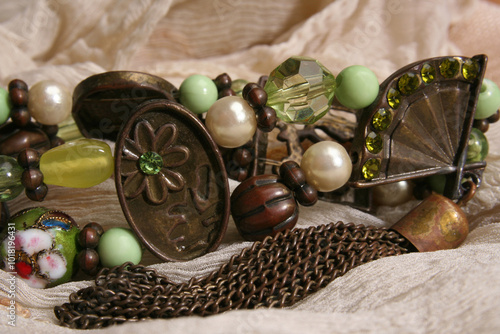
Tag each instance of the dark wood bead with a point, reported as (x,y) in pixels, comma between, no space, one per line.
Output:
(56,141)
(482,124)
(292,175)
(32,178)
(238,174)
(266,119)
(88,261)
(257,97)
(17,140)
(223,81)
(494,118)
(28,158)
(242,156)
(88,237)
(226,92)
(37,194)
(20,116)
(248,87)
(18,97)
(262,206)
(50,130)
(95,226)
(17,83)
(306,195)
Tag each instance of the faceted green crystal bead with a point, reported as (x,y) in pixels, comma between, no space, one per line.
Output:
(428,73)
(393,98)
(300,90)
(374,143)
(197,93)
(470,69)
(4,106)
(449,67)
(381,119)
(408,83)
(117,246)
(371,169)
(81,163)
(150,163)
(10,178)
(357,87)
(478,146)
(488,101)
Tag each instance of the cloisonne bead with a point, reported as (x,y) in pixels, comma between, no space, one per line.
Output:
(357,87)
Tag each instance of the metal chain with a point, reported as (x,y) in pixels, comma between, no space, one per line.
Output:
(276,272)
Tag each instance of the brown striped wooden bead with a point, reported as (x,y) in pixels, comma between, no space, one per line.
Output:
(256,97)
(266,119)
(32,178)
(18,97)
(482,124)
(306,195)
(88,237)
(20,116)
(88,261)
(223,81)
(28,158)
(95,226)
(494,118)
(37,194)
(292,175)
(17,83)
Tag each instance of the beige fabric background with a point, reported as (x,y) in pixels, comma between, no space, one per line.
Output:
(455,291)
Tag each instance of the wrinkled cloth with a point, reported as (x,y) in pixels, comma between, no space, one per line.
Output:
(452,291)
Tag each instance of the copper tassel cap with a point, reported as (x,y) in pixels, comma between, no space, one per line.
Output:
(436,223)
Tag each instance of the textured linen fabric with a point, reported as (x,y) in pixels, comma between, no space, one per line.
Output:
(453,291)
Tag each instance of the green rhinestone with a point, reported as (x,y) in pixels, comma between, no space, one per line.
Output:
(374,143)
(478,146)
(371,169)
(428,73)
(150,163)
(449,67)
(470,69)
(393,98)
(408,83)
(382,119)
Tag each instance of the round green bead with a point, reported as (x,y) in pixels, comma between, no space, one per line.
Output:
(478,146)
(4,105)
(10,178)
(357,87)
(198,93)
(117,246)
(488,101)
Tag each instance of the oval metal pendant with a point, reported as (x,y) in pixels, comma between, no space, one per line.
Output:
(171,181)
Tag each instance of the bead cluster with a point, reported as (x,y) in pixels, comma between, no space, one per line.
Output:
(88,239)
(32,177)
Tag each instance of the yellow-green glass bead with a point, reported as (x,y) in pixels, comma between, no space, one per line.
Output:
(408,83)
(428,73)
(10,178)
(393,98)
(117,246)
(81,163)
(449,67)
(470,69)
(238,85)
(374,143)
(371,169)
(197,93)
(4,106)
(381,119)
(488,101)
(478,146)
(357,87)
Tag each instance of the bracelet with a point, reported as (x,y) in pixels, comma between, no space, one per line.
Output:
(181,181)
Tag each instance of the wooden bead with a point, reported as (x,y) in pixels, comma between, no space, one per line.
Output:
(17,83)
(242,156)
(50,130)
(17,140)
(32,178)
(482,124)
(263,206)
(238,174)
(28,158)
(266,119)
(223,81)
(37,194)
(306,195)
(292,175)
(226,92)
(20,116)
(95,226)
(88,237)
(494,118)
(56,141)
(248,87)
(18,97)
(256,97)
(88,261)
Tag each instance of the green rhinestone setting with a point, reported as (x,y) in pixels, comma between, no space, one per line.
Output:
(150,163)
(408,83)
(449,67)
(381,119)
(371,169)
(428,73)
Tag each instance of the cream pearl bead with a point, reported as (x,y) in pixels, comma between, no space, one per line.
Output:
(231,121)
(327,166)
(49,102)
(393,194)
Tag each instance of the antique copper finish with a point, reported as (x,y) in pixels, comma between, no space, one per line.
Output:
(103,102)
(182,211)
(436,223)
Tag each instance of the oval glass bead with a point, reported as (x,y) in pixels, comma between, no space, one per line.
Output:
(10,178)
(79,164)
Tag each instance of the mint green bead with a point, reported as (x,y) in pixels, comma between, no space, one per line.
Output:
(4,105)
(117,246)
(357,87)
(488,101)
(10,178)
(197,93)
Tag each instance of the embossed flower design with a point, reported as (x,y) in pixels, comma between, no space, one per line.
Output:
(148,159)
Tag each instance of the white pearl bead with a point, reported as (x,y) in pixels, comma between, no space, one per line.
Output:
(231,121)
(327,166)
(49,102)
(393,194)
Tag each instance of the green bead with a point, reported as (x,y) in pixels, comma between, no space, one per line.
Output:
(150,163)
(357,87)
(300,90)
(10,178)
(117,246)
(449,67)
(374,143)
(371,169)
(478,146)
(381,119)
(238,85)
(81,163)
(488,101)
(408,83)
(393,98)
(197,93)
(4,106)
(428,73)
